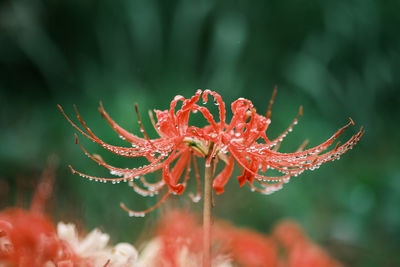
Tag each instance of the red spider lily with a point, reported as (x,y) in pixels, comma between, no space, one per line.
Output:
(243,141)
(175,145)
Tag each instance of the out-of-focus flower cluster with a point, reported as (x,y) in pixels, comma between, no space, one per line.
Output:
(94,247)
(31,239)
(178,243)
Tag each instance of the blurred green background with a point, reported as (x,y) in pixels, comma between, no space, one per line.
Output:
(336,58)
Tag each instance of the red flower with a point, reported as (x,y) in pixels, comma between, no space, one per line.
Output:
(178,241)
(299,250)
(175,145)
(28,238)
(243,141)
(180,231)
(246,247)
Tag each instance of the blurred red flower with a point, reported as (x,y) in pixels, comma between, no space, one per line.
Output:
(29,238)
(178,243)
(299,250)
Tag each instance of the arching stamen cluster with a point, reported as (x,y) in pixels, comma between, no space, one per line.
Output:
(243,140)
(169,153)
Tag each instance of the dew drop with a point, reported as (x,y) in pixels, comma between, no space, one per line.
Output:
(136,214)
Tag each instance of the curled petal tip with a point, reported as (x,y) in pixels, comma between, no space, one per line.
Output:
(178,189)
(219,190)
(351,121)
(301,111)
(242,180)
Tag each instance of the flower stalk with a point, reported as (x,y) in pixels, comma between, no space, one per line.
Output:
(207,203)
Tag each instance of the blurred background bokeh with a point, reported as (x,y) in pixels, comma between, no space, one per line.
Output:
(336,58)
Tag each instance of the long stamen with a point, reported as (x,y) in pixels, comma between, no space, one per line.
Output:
(154,123)
(271,101)
(133,213)
(266,189)
(289,129)
(197,197)
(73,124)
(141,126)
(143,192)
(117,171)
(152,186)
(122,132)
(303,145)
(156,165)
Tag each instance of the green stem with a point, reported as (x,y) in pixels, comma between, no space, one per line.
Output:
(208,179)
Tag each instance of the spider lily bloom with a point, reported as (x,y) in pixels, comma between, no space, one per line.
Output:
(177,146)
(245,142)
